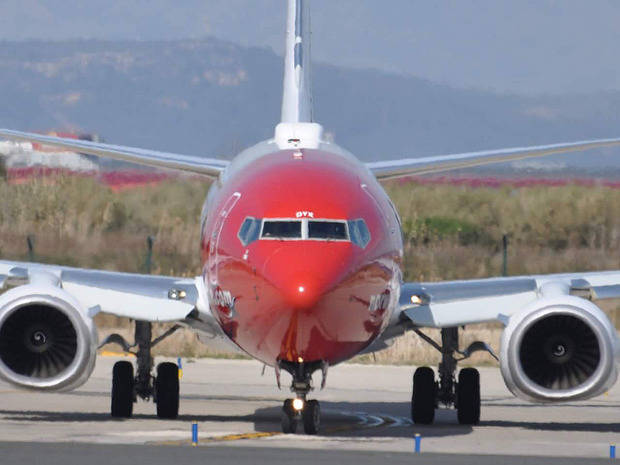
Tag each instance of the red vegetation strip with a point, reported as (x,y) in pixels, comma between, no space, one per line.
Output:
(116,180)
(119,180)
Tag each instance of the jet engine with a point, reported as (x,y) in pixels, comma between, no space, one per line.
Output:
(47,341)
(559,349)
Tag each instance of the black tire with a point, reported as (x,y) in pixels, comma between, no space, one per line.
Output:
(468,397)
(289,418)
(122,390)
(167,390)
(423,399)
(312,417)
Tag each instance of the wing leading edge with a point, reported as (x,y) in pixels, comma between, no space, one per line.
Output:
(457,303)
(206,166)
(140,297)
(436,164)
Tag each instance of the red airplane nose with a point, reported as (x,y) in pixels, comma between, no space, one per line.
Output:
(302,275)
(302,292)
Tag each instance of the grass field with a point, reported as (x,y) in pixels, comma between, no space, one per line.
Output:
(450,232)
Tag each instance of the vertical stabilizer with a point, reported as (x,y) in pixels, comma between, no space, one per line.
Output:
(297,95)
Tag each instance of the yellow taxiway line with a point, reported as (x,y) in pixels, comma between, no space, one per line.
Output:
(259,435)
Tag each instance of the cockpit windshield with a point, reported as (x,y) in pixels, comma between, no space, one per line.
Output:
(281,229)
(336,230)
(311,229)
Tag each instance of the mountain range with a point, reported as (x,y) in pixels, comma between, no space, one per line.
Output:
(212,97)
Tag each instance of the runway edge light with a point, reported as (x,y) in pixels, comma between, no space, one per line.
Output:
(194,434)
(418,443)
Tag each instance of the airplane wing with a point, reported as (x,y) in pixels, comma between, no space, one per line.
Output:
(457,303)
(436,164)
(140,297)
(48,335)
(206,166)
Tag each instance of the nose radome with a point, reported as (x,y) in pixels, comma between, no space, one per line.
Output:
(301,292)
(303,276)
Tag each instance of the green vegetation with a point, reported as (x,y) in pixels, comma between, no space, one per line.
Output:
(450,232)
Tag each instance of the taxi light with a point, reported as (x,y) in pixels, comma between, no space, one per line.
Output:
(416,300)
(298,404)
(177,294)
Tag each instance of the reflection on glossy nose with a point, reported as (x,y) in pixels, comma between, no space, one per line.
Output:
(301,292)
(301,274)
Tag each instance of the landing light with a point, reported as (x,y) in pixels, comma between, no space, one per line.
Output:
(301,289)
(298,404)
(177,294)
(416,300)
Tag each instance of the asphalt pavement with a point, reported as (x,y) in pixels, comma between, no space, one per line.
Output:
(365,417)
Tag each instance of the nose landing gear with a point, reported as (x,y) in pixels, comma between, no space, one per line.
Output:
(299,410)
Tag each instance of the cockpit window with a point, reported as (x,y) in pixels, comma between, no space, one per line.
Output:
(250,230)
(281,229)
(360,235)
(330,230)
(314,229)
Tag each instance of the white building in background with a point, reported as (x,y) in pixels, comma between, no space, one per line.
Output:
(24,155)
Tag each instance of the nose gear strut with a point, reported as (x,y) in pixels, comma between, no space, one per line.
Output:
(299,409)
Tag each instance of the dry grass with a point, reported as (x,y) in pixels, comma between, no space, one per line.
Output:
(450,232)
(410,349)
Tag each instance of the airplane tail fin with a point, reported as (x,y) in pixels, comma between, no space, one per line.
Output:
(297,94)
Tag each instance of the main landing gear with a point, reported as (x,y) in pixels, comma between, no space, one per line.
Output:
(300,410)
(463,394)
(163,388)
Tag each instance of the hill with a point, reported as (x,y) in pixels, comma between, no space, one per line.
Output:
(213,97)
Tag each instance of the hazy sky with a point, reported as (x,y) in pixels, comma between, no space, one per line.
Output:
(523,46)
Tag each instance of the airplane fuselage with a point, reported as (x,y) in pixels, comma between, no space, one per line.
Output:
(301,253)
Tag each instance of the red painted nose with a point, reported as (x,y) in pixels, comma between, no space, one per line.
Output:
(301,279)
(302,275)
(301,292)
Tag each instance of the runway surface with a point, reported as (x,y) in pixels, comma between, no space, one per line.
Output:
(365,412)
(98,454)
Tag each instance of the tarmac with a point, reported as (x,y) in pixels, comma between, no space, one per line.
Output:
(365,414)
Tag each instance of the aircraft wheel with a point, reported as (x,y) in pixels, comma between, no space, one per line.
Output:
(167,390)
(289,417)
(468,397)
(312,417)
(423,397)
(122,390)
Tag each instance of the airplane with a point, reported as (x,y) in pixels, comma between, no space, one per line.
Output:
(301,269)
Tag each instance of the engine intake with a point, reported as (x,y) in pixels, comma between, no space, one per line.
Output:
(559,349)
(46,340)
(38,341)
(559,352)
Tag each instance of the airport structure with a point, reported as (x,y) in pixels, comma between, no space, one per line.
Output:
(36,155)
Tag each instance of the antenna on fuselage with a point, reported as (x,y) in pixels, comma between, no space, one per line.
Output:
(297,93)
(297,128)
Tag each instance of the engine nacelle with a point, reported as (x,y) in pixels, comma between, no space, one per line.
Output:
(559,349)
(47,341)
